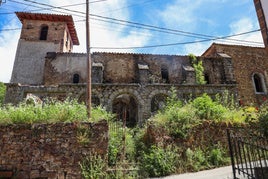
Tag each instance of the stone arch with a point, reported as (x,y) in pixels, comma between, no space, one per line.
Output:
(127,105)
(132,92)
(259,83)
(154,94)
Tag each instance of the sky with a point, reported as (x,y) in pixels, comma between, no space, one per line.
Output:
(174,27)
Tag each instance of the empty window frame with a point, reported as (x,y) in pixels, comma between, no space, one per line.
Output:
(258,82)
(76,78)
(164,74)
(207,78)
(44,32)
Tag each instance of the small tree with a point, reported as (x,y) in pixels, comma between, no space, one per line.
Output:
(199,69)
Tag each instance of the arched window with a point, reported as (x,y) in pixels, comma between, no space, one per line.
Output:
(258,83)
(164,74)
(43,33)
(76,78)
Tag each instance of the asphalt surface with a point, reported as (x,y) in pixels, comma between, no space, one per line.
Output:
(217,173)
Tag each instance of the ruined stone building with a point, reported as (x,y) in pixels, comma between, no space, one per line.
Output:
(46,67)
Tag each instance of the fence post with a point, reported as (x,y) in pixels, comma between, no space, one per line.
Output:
(231,152)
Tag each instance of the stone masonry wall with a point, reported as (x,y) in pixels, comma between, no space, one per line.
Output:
(30,61)
(246,62)
(124,68)
(107,93)
(49,150)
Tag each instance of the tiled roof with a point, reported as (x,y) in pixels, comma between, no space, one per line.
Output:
(52,17)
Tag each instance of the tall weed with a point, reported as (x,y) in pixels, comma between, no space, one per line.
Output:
(50,112)
(159,161)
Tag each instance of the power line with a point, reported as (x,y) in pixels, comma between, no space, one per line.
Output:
(136,24)
(10,29)
(173,44)
(151,27)
(184,33)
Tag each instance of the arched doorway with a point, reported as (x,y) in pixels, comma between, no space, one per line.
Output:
(126,109)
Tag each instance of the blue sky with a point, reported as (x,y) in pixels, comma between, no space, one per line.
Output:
(208,17)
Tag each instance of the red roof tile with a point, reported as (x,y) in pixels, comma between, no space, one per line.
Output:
(52,17)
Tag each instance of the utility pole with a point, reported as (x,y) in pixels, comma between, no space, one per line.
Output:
(88,96)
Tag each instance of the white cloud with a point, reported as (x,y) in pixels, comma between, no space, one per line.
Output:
(8,41)
(102,34)
(196,48)
(179,14)
(245,25)
(242,25)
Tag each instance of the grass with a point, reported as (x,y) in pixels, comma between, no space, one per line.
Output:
(52,112)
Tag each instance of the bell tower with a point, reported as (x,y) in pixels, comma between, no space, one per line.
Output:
(41,33)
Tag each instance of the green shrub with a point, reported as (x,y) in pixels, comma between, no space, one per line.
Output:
(99,113)
(195,160)
(180,125)
(217,157)
(208,109)
(263,122)
(119,138)
(176,118)
(199,69)
(51,112)
(199,159)
(158,161)
(93,166)
(263,118)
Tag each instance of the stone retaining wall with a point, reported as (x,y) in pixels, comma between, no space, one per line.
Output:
(50,150)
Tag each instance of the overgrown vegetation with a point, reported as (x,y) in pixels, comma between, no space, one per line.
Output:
(93,166)
(199,69)
(163,146)
(263,118)
(159,161)
(51,112)
(2,93)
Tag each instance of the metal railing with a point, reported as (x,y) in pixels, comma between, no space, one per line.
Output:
(249,154)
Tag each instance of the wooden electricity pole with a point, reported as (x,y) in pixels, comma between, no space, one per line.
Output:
(88,101)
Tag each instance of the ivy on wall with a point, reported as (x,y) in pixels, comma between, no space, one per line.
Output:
(199,69)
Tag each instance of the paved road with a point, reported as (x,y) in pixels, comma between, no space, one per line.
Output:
(218,173)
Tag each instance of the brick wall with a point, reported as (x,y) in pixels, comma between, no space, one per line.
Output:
(31,30)
(49,150)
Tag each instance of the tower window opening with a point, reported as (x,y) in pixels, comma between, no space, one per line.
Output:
(76,78)
(44,32)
